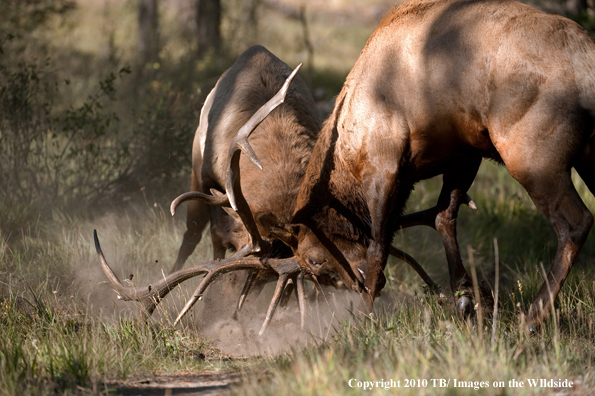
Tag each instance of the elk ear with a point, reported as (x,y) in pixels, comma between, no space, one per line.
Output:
(280,229)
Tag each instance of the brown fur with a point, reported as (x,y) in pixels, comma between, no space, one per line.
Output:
(283,143)
(439,85)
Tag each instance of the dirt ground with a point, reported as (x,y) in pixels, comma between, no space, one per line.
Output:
(187,384)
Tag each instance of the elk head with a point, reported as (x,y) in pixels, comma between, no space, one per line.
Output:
(255,255)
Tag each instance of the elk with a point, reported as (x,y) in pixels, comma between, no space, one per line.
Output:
(440,85)
(283,141)
(254,214)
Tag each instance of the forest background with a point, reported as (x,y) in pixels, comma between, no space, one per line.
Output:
(99,101)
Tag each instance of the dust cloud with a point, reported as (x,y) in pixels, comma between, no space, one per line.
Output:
(129,252)
(326,310)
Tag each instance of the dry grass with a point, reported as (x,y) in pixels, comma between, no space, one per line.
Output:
(64,331)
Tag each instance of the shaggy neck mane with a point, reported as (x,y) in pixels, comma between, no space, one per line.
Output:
(330,197)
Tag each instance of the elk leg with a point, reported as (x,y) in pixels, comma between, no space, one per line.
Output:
(196,220)
(542,167)
(571,220)
(428,217)
(380,196)
(453,193)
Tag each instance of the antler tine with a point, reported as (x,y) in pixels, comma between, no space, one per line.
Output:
(214,199)
(283,278)
(287,292)
(240,264)
(247,286)
(150,295)
(240,144)
(401,255)
(301,299)
(284,267)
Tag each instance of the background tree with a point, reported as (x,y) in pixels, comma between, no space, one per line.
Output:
(148,33)
(251,20)
(575,7)
(208,22)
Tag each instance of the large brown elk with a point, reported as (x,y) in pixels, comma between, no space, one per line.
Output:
(440,85)
(263,203)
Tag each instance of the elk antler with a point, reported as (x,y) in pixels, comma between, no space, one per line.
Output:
(216,199)
(240,145)
(150,296)
(286,268)
(235,197)
(401,255)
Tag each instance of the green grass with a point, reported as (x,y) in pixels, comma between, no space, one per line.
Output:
(417,337)
(60,331)
(421,340)
(63,331)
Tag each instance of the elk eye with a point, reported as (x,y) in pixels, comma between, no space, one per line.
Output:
(313,263)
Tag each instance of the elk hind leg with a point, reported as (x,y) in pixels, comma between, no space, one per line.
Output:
(544,171)
(585,166)
(571,221)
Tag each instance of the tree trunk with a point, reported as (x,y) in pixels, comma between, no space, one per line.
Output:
(575,7)
(250,11)
(148,35)
(208,21)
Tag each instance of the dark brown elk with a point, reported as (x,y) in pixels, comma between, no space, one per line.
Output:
(237,107)
(283,142)
(263,203)
(440,85)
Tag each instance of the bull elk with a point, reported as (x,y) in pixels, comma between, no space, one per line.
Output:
(440,85)
(254,214)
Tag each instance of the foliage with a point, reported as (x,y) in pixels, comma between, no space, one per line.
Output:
(83,123)
(20,17)
(53,155)
(63,149)
(586,20)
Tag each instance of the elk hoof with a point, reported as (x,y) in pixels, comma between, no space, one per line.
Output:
(464,307)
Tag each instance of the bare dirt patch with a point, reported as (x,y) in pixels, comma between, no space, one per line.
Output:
(203,384)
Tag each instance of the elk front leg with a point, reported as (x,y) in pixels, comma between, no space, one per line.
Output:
(197,218)
(443,218)
(379,186)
